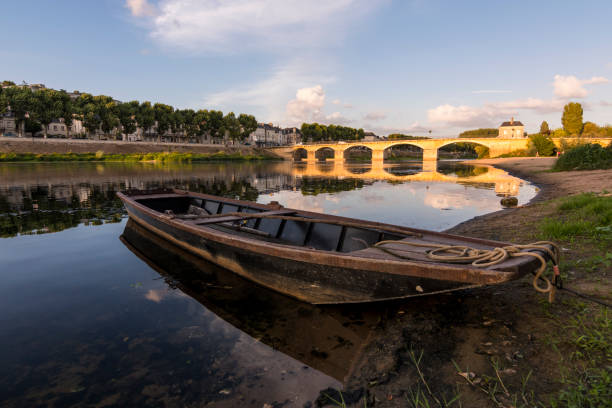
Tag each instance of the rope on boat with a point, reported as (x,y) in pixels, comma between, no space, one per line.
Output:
(482,258)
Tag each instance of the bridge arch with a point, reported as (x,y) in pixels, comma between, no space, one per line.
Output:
(324,153)
(358,153)
(299,154)
(405,148)
(481,149)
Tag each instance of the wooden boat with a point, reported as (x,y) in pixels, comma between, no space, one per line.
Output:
(317,258)
(333,348)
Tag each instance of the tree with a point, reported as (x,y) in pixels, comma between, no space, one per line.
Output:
(572,118)
(126,113)
(20,100)
(360,134)
(590,129)
(163,117)
(46,108)
(483,132)
(542,144)
(214,124)
(145,116)
(67,110)
(544,129)
(248,125)
(231,126)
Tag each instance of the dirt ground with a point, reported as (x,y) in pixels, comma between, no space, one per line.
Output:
(507,340)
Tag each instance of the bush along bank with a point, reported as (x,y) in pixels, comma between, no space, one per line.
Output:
(585,157)
(133,157)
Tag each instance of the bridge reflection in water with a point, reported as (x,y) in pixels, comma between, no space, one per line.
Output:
(505,184)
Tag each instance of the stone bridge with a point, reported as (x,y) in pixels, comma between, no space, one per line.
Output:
(497,147)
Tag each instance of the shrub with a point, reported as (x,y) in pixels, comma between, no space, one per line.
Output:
(542,144)
(585,157)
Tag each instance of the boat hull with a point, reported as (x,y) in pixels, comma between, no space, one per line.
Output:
(312,282)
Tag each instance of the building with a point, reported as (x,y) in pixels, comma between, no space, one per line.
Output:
(291,136)
(370,137)
(7,125)
(512,130)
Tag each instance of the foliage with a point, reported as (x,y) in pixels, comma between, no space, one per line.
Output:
(483,132)
(559,133)
(585,157)
(317,132)
(542,144)
(482,151)
(590,129)
(103,113)
(231,126)
(248,124)
(572,118)
(544,129)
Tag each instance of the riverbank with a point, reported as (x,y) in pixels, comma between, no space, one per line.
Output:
(507,346)
(133,157)
(83,150)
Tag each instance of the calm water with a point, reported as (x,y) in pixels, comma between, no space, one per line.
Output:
(89,319)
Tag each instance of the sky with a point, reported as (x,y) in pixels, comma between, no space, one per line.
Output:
(409,66)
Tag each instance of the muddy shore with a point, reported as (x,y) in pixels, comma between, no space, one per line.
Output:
(491,347)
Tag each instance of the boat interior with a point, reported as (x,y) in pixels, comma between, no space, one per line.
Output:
(283,226)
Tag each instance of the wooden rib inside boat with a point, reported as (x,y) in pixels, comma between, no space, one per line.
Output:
(317,258)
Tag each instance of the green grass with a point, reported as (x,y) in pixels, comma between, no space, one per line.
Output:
(584,215)
(589,383)
(585,157)
(131,157)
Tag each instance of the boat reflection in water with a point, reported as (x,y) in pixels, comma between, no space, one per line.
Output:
(328,339)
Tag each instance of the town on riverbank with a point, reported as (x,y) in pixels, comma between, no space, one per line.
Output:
(38,114)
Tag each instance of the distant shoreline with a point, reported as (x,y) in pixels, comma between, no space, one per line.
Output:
(46,150)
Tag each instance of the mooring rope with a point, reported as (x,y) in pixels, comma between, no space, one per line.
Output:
(482,258)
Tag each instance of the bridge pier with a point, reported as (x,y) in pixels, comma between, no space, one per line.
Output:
(430,154)
(378,155)
(310,156)
(338,155)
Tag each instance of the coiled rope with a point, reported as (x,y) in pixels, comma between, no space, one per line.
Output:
(482,258)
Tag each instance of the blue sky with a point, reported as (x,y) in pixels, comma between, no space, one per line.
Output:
(408,66)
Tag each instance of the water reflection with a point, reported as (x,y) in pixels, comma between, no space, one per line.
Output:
(330,339)
(85,322)
(49,197)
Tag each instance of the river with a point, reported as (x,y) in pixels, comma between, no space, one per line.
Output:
(89,319)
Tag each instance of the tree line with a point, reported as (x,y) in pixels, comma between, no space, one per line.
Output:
(317,132)
(34,110)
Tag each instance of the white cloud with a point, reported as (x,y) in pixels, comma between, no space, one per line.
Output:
(336,118)
(413,128)
(267,98)
(140,8)
(307,104)
(490,113)
(567,87)
(232,25)
(336,102)
(375,116)
(490,91)
(605,103)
